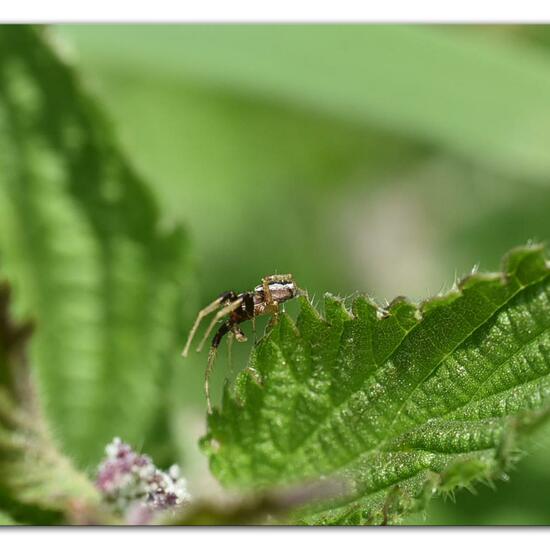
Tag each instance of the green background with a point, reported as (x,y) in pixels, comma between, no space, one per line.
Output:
(380,159)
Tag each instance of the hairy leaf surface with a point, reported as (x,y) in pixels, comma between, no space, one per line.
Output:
(400,403)
(81,242)
(38,485)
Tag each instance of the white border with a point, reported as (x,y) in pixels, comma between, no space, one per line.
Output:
(409,538)
(281,11)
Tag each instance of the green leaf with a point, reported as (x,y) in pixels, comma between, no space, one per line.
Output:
(5,519)
(481,98)
(400,403)
(83,244)
(232,145)
(37,484)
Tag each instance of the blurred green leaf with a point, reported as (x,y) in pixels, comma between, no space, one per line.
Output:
(5,519)
(254,162)
(400,403)
(83,244)
(37,484)
(257,172)
(483,99)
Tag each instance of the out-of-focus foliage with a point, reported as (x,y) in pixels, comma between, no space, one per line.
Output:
(263,155)
(38,485)
(81,243)
(7,520)
(381,159)
(427,83)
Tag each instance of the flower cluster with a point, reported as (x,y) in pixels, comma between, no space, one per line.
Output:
(128,480)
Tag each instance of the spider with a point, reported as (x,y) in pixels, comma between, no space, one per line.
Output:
(263,300)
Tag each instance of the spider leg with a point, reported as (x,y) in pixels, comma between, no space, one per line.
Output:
(267,291)
(238,333)
(230,338)
(234,330)
(235,334)
(202,314)
(221,313)
(209,368)
(272,305)
(274,310)
(224,329)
